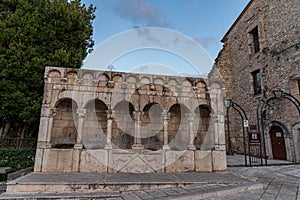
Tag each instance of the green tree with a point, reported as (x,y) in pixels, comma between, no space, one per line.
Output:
(35,34)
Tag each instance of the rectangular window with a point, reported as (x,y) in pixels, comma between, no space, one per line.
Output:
(256,82)
(255,37)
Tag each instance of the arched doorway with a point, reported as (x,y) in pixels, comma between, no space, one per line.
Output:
(277,142)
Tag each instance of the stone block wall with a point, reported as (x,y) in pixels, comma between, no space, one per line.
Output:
(278,61)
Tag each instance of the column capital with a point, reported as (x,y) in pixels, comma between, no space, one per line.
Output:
(81,112)
(52,112)
(165,116)
(190,116)
(138,115)
(110,114)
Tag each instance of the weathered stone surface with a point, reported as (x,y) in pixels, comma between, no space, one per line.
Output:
(93,161)
(180,161)
(278,60)
(96,121)
(203,161)
(219,160)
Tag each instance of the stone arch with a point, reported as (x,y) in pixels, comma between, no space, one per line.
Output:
(123,125)
(71,78)
(159,81)
(215,83)
(201,126)
(287,139)
(178,130)
(54,75)
(296,138)
(67,95)
(103,78)
(172,83)
(64,133)
(131,79)
(95,125)
(202,88)
(152,126)
(117,78)
(145,80)
(87,78)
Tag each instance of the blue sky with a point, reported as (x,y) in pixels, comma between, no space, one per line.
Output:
(205,21)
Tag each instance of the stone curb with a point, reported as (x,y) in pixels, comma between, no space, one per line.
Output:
(187,196)
(35,196)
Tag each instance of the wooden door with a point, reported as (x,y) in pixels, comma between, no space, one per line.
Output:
(278,144)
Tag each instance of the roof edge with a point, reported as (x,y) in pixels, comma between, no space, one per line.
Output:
(236,21)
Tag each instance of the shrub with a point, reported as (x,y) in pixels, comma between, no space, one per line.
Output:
(17,159)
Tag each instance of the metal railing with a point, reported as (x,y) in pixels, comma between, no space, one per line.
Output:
(18,143)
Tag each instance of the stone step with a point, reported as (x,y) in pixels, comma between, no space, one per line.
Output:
(104,182)
(178,193)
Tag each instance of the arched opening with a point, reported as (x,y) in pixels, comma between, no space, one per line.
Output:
(201,127)
(178,128)
(152,127)
(123,125)
(278,143)
(64,133)
(95,125)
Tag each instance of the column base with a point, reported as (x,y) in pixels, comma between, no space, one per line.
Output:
(192,147)
(108,146)
(78,146)
(166,147)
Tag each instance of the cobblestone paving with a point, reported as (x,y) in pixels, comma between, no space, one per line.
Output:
(280,182)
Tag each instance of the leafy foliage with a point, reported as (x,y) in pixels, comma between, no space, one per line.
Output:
(17,159)
(35,34)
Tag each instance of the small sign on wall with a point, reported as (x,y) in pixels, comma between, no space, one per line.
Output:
(246,123)
(278,134)
(254,138)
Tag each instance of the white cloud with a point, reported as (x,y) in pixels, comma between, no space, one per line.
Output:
(206,41)
(139,12)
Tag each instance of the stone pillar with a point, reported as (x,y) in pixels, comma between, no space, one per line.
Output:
(190,118)
(165,117)
(44,136)
(81,115)
(52,114)
(110,117)
(218,121)
(137,134)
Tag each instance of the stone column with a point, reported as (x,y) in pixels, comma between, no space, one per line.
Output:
(52,114)
(217,119)
(190,118)
(137,134)
(110,117)
(165,117)
(44,136)
(81,115)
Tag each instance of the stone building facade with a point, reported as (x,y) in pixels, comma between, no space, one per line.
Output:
(96,121)
(261,54)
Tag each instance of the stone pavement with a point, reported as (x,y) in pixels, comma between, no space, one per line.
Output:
(279,182)
(238,160)
(272,182)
